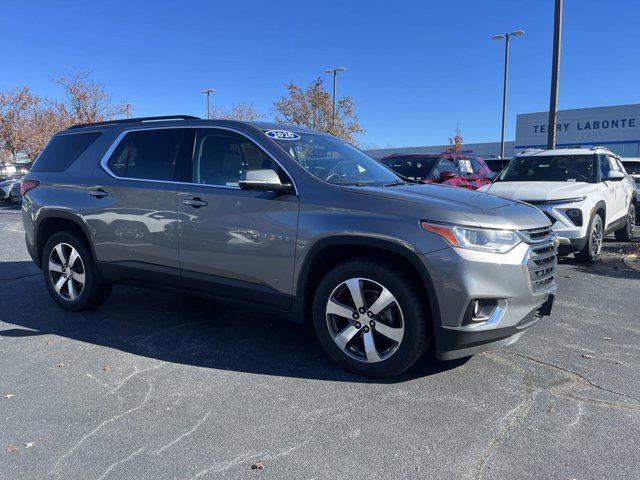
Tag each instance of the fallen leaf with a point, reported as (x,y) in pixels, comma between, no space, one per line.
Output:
(60,365)
(9,395)
(606,338)
(107,368)
(587,356)
(257,466)
(29,444)
(549,410)
(567,276)
(51,342)
(11,448)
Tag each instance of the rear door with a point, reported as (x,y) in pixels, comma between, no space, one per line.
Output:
(131,209)
(235,243)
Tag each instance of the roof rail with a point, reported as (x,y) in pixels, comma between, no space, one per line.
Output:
(596,147)
(136,120)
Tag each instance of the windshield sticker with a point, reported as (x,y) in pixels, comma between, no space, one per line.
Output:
(282,135)
(466,166)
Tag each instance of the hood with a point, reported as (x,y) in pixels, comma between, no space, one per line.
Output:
(540,191)
(440,203)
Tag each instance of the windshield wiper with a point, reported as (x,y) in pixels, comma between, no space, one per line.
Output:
(395,182)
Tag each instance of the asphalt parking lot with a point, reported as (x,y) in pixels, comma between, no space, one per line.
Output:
(153,385)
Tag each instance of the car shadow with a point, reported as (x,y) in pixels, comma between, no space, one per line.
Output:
(181,329)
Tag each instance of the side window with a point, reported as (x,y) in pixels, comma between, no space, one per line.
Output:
(614,164)
(62,150)
(605,167)
(222,157)
(147,154)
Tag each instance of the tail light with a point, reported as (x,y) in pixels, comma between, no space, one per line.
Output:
(26,185)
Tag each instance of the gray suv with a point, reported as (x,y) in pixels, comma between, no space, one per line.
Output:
(295,221)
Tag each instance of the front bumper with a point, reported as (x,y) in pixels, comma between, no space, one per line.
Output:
(523,292)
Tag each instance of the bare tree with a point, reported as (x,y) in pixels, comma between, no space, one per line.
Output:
(312,107)
(85,100)
(239,111)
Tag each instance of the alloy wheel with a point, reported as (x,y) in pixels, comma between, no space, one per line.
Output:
(365,320)
(66,271)
(596,239)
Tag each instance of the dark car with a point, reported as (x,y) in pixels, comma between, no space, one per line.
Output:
(448,168)
(497,164)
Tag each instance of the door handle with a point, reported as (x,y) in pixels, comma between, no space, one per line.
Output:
(98,193)
(195,202)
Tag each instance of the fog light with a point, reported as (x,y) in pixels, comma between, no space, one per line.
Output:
(575,215)
(480,310)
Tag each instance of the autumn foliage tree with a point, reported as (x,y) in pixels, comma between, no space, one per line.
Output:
(456,142)
(312,108)
(27,121)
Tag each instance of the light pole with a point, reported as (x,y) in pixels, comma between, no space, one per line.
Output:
(555,74)
(208,92)
(506,36)
(334,71)
(127,109)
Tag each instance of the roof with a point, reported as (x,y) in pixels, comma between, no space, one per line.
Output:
(418,156)
(563,151)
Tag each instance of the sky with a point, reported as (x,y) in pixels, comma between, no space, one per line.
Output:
(416,69)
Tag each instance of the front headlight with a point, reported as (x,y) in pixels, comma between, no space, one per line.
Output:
(482,239)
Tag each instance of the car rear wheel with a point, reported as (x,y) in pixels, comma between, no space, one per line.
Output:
(625,234)
(591,251)
(69,273)
(371,318)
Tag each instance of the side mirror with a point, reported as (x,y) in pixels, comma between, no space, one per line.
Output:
(615,176)
(265,180)
(446,175)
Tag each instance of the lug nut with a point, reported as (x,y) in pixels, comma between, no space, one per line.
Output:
(366,329)
(369,314)
(372,323)
(361,310)
(358,325)
(356,316)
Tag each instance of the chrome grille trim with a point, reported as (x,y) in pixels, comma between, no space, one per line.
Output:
(536,235)
(542,264)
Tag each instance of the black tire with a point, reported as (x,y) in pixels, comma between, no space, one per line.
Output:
(410,300)
(590,253)
(625,234)
(92,293)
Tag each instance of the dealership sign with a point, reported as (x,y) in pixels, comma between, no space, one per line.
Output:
(619,124)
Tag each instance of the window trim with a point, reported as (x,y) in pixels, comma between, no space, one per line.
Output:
(121,135)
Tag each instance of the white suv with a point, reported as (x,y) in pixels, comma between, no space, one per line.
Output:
(585,193)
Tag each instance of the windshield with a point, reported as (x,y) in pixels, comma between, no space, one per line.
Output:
(632,167)
(550,168)
(336,161)
(411,167)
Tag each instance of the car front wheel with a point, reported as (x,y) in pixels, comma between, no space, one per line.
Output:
(69,273)
(371,318)
(591,251)
(625,234)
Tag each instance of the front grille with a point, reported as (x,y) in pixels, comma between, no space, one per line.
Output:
(535,235)
(543,262)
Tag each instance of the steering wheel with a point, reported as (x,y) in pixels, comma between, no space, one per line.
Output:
(334,173)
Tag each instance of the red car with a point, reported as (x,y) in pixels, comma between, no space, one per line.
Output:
(449,168)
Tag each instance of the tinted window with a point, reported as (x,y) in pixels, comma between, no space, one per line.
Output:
(550,168)
(148,154)
(605,166)
(410,167)
(446,165)
(63,150)
(222,158)
(632,167)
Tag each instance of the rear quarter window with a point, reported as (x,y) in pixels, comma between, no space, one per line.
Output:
(63,150)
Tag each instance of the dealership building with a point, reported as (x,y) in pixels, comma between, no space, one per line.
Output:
(616,127)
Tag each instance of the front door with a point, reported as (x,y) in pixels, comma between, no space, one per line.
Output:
(235,243)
